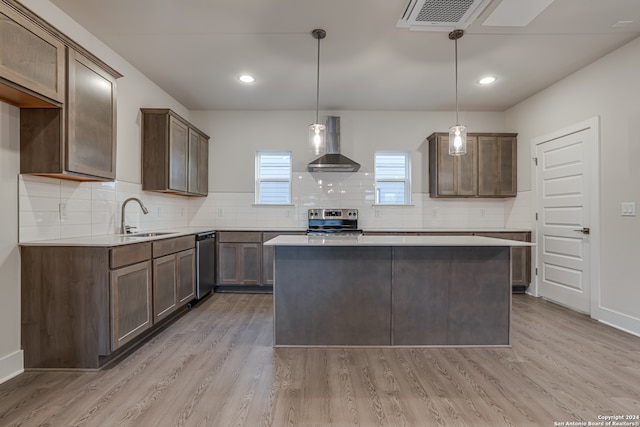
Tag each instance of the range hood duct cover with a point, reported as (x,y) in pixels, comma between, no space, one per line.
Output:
(333,161)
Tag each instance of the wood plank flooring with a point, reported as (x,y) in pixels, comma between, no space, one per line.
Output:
(216,367)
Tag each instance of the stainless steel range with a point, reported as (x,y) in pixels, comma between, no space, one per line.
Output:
(343,222)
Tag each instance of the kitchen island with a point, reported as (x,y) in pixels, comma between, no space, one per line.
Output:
(392,290)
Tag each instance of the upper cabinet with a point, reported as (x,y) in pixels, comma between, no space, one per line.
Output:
(78,140)
(198,165)
(32,62)
(174,154)
(497,166)
(66,95)
(487,170)
(452,176)
(91,119)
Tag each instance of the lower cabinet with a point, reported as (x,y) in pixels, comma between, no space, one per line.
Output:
(81,305)
(164,287)
(174,264)
(186,266)
(239,258)
(243,260)
(130,304)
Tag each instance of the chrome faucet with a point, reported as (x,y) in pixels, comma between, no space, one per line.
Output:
(125,229)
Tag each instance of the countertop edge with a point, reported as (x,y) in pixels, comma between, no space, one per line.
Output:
(393,241)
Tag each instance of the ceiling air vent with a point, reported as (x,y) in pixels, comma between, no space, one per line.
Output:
(441,15)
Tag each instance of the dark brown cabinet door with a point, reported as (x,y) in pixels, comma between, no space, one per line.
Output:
(178,158)
(203,166)
(452,176)
(130,303)
(497,166)
(239,263)
(164,287)
(32,59)
(186,264)
(198,163)
(91,119)
(268,254)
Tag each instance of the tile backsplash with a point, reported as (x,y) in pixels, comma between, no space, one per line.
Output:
(51,208)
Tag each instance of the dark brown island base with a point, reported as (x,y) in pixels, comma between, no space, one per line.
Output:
(392,291)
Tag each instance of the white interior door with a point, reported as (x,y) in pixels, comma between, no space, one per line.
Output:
(563,209)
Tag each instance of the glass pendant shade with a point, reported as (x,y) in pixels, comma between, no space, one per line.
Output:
(317,135)
(457,140)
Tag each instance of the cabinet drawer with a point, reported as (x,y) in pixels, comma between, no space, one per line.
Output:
(170,246)
(239,237)
(129,254)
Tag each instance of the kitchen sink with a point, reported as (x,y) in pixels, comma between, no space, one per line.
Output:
(151,234)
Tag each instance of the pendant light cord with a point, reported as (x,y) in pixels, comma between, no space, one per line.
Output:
(455,35)
(318,82)
(456,53)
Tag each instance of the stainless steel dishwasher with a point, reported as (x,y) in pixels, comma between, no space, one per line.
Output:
(205,263)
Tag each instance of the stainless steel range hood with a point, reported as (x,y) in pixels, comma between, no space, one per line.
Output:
(333,161)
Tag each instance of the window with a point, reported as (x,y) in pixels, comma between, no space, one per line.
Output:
(273,177)
(393,177)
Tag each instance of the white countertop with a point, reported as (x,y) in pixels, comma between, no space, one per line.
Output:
(121,239)
(392,241)
(117,239)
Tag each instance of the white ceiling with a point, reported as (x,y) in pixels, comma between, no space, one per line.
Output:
(195,49)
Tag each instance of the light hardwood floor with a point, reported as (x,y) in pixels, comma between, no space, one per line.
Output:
(216,367)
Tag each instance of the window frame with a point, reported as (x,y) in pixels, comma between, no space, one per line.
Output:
(259,180)
(406,179)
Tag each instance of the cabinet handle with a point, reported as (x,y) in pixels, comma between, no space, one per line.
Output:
(583,230)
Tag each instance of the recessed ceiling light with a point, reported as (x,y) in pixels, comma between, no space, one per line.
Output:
(246,78)
(487,80)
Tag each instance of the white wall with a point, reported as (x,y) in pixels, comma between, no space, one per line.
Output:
(236,135)
(11,361)
(610,89)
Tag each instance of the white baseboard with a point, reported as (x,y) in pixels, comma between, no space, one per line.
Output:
(617,320)
(11,365)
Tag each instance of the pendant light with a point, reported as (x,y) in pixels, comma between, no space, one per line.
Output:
(317,131)
(457,133)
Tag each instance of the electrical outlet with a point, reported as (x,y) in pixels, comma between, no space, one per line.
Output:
(628,209)
(62,207)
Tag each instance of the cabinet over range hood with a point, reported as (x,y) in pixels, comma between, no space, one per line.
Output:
(333,161)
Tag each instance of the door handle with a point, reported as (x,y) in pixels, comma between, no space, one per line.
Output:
(583,230)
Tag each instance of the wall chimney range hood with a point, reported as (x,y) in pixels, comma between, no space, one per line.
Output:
(333,161)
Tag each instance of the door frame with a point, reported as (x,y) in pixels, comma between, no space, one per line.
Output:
(593,126)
